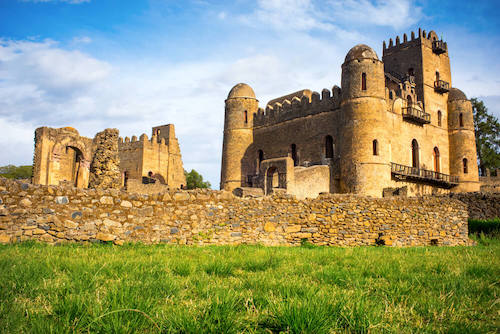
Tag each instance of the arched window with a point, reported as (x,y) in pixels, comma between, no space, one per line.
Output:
(261,157)
(409,99)
(466,168)
(375,147)
(246,117)
(437,76)
(437,167)
(391,96)
(414,153)
(363,81)
(439,117)
(461,119)
(411,71)
(329,147)
(294,155)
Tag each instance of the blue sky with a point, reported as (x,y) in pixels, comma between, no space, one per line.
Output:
(93,64)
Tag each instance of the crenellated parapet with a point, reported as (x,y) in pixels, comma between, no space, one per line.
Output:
(430,40)
(143,142)
(297,107)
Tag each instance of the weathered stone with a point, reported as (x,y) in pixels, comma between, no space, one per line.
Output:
(236,234)
(105,236)
(4,239)
(174,230)
(61,200)
(76,215)
(107,200)
(293,228)
(48,211)
(126,204)
(270,227)
(25,202)
(181,196)
(70,224)
(111,223)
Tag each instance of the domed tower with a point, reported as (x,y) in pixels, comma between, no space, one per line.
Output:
(241,105)
(463,157)
(365,147)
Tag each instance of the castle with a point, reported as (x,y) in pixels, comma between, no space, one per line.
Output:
(395,126)
(107,161)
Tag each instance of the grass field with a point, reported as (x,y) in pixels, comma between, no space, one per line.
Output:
(252,289)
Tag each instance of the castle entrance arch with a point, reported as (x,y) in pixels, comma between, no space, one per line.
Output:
(70,163)
(277,173)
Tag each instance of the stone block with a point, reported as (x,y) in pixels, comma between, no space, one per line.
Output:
(5,239)
(105,236)
(126,204)
(181,196)
(111,223)
(269,227)
(106,200)
(25,203)
(70,224)
(61,200)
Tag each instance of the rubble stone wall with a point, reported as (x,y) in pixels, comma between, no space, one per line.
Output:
(105,168)
(66,214)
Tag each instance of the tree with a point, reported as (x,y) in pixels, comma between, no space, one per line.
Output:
(195,180)
(487,129)
(14,172)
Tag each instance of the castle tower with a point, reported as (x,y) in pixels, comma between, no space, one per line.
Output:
(425,58)
(365,147)
(463,157)
(241,105)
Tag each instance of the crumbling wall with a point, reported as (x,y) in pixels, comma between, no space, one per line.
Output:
(105,168)
(203,217)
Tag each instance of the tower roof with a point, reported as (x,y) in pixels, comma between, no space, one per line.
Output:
(361,51)
(241,90)
(456,94)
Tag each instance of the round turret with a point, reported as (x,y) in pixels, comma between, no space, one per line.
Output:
(463,155)
(241,90)
(365,145)
(362,74)
(241,105)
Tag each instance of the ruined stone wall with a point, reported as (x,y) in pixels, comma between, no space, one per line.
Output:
(105,168)
(56,214)
(490,183)
(136,186)
(480,205)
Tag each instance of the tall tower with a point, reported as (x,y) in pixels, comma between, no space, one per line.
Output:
(425,58)
(241,105)
(365,148)
(463,157)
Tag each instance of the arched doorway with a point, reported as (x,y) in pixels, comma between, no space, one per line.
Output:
(437,166)
(259,160)
(414,154)
(272,180)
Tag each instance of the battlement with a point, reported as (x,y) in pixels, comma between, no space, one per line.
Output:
(142,142)
(297,108)
(430,39)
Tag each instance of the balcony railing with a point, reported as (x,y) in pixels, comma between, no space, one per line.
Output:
(441,86)
(402,172)
(439,47)
(413,114)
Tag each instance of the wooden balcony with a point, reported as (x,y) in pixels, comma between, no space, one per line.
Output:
(411,113)
(420,175)
(439,47)
(441,86)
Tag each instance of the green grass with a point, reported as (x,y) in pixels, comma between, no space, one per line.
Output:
(490,227)
(250,289)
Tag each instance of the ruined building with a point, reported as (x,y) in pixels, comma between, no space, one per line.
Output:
(395,126)
(107,161)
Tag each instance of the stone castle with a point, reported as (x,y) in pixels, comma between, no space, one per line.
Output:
(395,126)
(62,156)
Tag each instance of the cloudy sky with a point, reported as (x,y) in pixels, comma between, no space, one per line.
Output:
(93,64)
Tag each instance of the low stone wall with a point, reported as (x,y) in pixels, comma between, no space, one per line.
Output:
(136,186)
(57,214)
(480,205)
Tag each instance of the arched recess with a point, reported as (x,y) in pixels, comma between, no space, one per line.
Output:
(415,154)
(329,152)
(272,180)
(260,158)
(295,157)
(440,118)
(437,163)
(69,161)
(461,120)
(375,147)
(465,165)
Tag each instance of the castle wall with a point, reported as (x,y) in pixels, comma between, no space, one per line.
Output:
(64,214)
(311,181)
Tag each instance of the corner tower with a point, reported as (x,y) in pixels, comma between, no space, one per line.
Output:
(241,105)
(365,147)
(463,155)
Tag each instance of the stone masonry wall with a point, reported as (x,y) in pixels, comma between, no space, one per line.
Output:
(481,205)
(66,214)
(105,168)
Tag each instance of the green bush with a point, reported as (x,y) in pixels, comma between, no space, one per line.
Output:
(490,227)
(14,172)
